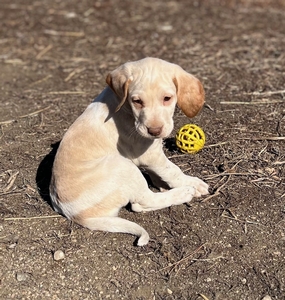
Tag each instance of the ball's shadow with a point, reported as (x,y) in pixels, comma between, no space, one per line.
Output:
(44,172)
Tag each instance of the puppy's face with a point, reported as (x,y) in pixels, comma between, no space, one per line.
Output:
(153,103)
(152,87)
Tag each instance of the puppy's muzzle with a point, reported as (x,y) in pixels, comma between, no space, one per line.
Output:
(154,131)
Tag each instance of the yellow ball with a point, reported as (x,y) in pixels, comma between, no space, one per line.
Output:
(190,138)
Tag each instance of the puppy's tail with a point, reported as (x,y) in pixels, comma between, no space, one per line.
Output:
(116,224)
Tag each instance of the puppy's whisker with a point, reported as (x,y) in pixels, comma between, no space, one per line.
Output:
(133,131)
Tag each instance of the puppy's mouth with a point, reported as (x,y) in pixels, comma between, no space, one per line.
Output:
(152,132)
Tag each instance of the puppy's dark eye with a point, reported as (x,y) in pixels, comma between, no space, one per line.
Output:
(167,98)
(137,101)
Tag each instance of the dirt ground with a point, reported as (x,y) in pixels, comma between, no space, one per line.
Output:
(54,57)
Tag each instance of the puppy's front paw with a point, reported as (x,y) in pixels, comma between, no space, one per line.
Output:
(202,188)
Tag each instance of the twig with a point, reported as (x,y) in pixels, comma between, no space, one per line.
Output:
(10,182)
(204,297)
(253,102)
(208,259)
(209,107)
(278,163)
(183,259)
(67,93)
(32,218)
(64,33)
(35,112)
(215,145)
(76,71)
(2,133)
(242,221)
(269,138)
(80,59)
(7,122)
(41,80)
(44,51)
(228,174)
(217,192)
(15,61)
(266,93)
(24,116)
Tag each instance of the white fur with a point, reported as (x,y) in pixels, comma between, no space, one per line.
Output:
(95,171)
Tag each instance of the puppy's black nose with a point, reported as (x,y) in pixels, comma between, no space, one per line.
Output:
(154,131)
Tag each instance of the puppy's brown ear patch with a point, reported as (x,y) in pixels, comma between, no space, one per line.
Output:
(190,93)
(119,83)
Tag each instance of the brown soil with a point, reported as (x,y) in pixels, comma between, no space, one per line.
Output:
(54,56)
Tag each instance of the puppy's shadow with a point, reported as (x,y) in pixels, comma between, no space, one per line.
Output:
(44,172)
(170,145)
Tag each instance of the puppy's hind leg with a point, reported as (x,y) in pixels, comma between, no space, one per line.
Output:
(116,224)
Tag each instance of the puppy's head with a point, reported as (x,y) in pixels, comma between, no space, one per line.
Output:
(152,87)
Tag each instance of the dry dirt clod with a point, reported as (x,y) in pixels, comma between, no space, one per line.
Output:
(58,255)
(21,276)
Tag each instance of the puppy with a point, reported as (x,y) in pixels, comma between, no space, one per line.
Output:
(95,172)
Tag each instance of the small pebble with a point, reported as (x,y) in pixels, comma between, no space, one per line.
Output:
(58,255)
(22,276)
(12,246)
(267,297)
(169,291)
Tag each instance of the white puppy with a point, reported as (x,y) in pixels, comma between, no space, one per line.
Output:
(95,172)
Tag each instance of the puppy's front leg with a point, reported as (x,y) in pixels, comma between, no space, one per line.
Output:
(173,176)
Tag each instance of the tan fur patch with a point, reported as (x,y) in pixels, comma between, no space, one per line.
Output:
(108,207)
(190,94)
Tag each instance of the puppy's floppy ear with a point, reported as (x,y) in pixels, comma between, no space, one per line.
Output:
(119,83)
(190,93)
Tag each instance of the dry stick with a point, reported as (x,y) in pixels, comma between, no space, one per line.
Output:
(2,133)
(35,112)
(64,33)
(217,192)
(208,259)
(76,71)
(67,93)
(215,145)
(203,296)
(41,80)
(10,182)
(44,51)
(24,116)
(266,93)
(252,103)
(183,259)
(228,174)
(80,59)
(32,218)
(272,138)
(243,221)
(278,163)
(16,61)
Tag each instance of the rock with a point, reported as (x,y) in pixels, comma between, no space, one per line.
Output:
(21,276)
(267,297)
(58,255)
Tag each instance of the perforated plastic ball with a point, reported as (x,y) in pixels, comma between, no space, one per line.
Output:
(190,138)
